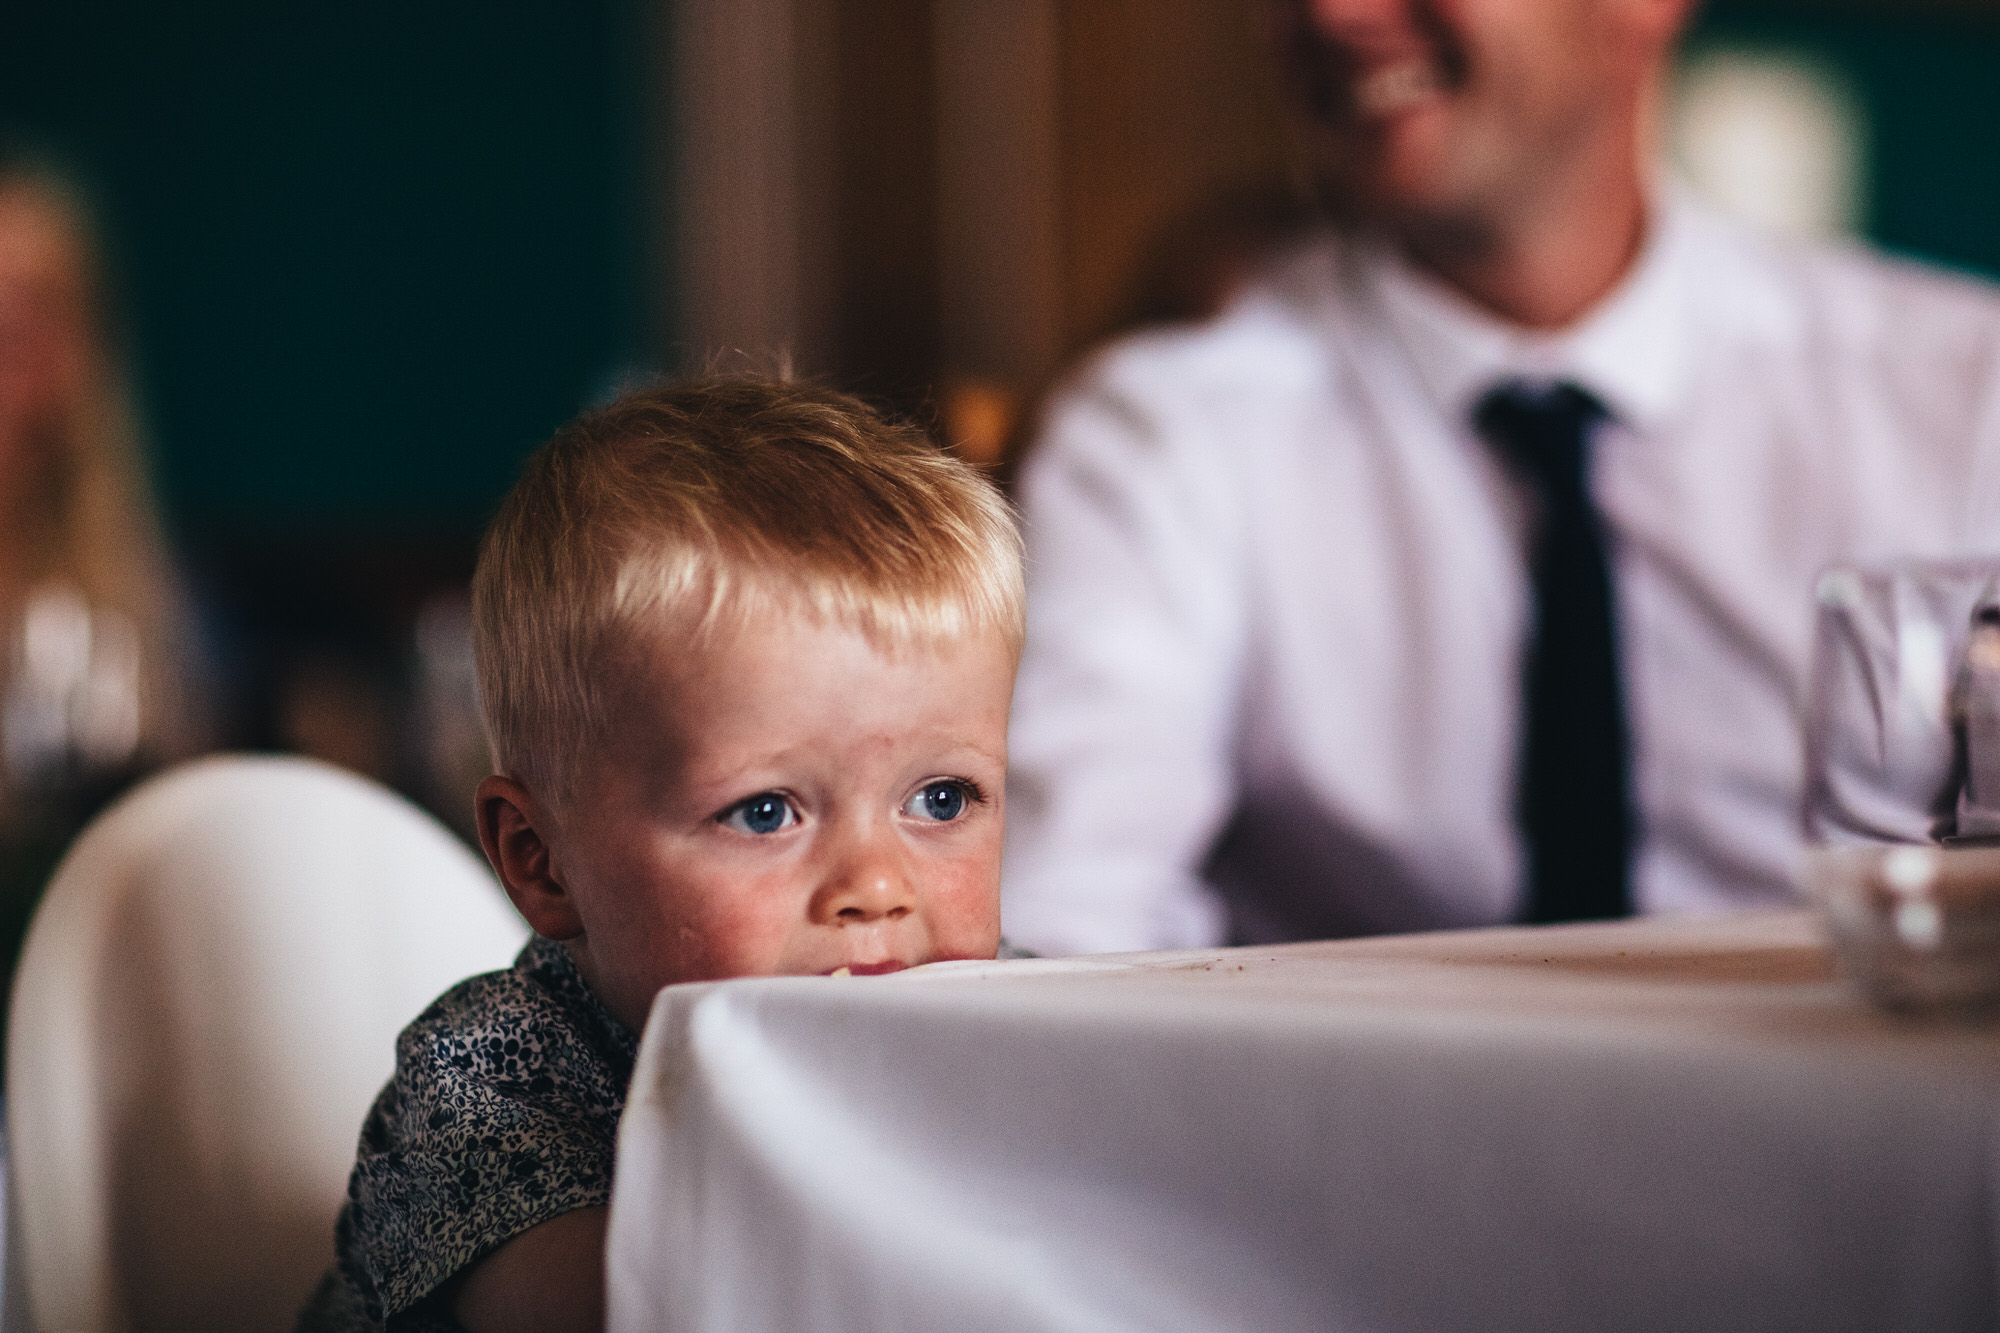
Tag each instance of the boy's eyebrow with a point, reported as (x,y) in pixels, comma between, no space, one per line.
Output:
(988,755)
(697,776)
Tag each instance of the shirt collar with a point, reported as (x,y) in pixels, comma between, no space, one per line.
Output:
(1634,350)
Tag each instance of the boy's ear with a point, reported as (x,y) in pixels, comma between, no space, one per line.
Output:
(509,819)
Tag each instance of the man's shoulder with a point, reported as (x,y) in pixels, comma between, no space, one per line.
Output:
(1841,292)
(1198,402)
(1887,289)
(1271,335)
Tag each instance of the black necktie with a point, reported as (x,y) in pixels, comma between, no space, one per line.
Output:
(1575,805)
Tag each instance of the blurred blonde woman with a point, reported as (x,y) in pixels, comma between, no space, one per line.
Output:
(96,664)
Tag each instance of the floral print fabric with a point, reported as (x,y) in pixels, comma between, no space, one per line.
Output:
(502,1114)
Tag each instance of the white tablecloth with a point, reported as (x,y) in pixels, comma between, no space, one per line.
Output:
(1654,1125)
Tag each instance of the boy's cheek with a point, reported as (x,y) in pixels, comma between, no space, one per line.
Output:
(965,908)
(729,925)
(726,934)
(970,936)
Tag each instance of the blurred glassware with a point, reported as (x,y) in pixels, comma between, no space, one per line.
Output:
(72,725)
(102,663)
(1977,695)
(1885,734)
(72,703)
(72,699)
(1903,781)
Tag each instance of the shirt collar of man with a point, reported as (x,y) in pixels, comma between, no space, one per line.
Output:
(1635,350)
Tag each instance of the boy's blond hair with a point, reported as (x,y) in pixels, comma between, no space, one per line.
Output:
(697,506)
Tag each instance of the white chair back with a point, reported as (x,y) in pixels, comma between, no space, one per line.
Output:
(207,1003)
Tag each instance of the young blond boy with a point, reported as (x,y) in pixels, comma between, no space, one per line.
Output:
(746,651)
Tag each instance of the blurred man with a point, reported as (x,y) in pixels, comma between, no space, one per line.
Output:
(1461,570)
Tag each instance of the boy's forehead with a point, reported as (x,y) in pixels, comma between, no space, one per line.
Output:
(666,644)
(679,707)
(787,663)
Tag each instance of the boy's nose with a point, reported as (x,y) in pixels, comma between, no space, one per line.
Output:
(868,886)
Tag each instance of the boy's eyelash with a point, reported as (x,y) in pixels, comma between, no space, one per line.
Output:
(974,793)
(726,811)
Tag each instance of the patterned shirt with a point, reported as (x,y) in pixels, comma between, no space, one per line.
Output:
(502,1114)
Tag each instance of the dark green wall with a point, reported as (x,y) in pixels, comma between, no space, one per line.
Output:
(374,251)
(1930,85)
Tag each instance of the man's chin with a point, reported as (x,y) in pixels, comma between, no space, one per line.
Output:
(1405,172)
(1385,193)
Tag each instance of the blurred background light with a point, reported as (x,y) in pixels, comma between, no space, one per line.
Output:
(1773,138)
(1918,86)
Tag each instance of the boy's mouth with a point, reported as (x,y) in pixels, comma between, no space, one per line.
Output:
(866,969)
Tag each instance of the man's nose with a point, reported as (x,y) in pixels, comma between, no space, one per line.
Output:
(869,883)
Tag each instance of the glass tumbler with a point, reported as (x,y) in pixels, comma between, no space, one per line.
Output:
(1902,802)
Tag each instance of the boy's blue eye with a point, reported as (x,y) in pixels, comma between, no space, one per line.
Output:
(941,801)
(766,812)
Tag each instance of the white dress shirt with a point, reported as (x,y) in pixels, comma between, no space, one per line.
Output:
(1278,591)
